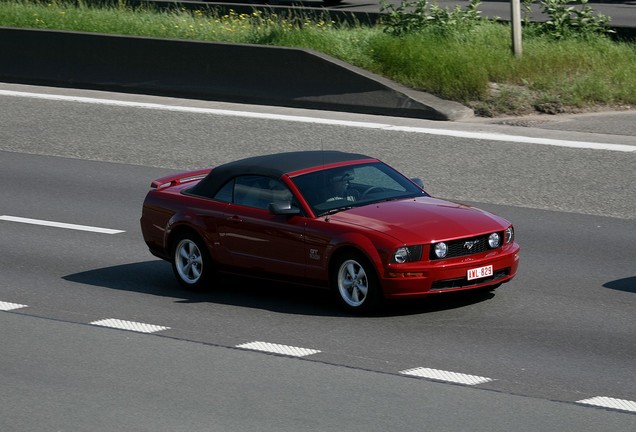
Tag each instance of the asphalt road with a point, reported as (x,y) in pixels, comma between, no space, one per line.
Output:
(622,13)
(562,332)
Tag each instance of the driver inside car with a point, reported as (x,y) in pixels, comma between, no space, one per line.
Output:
(339,186)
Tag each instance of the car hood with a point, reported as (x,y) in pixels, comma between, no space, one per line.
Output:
(422,220)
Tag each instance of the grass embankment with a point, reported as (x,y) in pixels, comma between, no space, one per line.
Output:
(475,68)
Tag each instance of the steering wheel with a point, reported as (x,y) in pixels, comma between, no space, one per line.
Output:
(369,190)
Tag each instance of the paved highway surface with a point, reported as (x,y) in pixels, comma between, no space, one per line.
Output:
(537,355)
(621,12)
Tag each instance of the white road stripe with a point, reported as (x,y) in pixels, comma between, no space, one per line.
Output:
(6,306)
(609,402)
(60,225)
(441,375)
(436,374)
(305,119)
(278,349)
(129,325)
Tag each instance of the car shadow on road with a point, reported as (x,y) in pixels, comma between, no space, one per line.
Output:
(156,278)
(627,284)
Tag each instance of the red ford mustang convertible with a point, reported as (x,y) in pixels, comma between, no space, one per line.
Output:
(336,220)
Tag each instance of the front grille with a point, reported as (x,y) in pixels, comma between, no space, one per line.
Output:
(465,283)
(458,248)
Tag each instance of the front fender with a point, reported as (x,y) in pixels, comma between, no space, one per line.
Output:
(376,252)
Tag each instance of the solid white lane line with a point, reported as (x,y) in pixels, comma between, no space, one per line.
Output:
(60,225)
(129,325)
(6,306)
(520,139)
(609,402)
(278,349)
(447,376)
(315,120)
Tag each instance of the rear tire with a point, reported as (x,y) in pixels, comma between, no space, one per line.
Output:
(355,283)
(191,262)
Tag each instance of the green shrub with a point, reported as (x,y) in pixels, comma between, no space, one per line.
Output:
(412,16)
(571,22)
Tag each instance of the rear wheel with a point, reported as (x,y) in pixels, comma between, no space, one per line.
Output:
(191,263)
(355,283)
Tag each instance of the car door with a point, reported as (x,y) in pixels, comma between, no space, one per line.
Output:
(260,242)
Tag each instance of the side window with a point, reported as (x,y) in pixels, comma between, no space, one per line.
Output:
(279,191)
(225,193)
(259,191)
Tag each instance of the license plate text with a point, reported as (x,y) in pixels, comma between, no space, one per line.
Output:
(480,272)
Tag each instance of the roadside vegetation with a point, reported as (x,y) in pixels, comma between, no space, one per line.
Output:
(569,63)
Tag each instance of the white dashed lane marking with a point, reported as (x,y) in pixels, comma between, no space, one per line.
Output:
(129,325)
(609,402)
(278,349)
(441,375)
(5,306)
(60,225)
(420,372)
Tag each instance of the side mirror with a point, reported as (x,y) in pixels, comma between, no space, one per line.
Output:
(283,208)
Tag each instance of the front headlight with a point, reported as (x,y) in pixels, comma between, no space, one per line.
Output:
(509,234)
(494,240)
(440,249)
(407,254)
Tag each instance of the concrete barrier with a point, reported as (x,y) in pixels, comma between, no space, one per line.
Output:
(209,71)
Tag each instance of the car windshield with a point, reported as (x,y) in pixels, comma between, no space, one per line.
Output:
(335,189)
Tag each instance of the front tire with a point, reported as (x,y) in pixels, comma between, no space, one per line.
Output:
(355,283)
(191,263)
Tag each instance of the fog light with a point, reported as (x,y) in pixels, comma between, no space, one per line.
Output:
(494,240)
(441,250)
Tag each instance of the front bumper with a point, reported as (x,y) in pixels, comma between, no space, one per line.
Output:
(417,280)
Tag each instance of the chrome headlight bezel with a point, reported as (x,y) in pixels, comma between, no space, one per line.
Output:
(509,235)
(405,254)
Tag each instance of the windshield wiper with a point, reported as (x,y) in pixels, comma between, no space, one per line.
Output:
(336,210)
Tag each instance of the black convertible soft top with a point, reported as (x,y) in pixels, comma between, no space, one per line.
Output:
(271,165)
